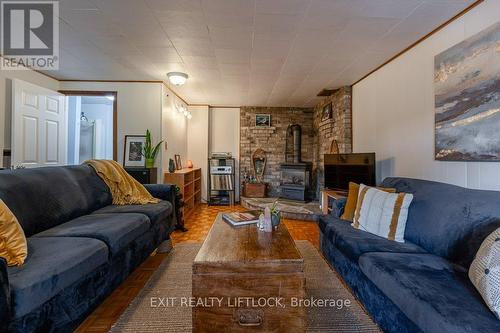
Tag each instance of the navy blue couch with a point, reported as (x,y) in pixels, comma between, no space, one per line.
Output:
(420,285)
(80,246)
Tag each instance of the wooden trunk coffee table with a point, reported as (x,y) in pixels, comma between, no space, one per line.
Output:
(243,277)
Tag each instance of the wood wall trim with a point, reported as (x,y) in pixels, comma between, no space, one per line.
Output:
(463,12)
(114,81)
(115,111)
(132,81)
(175,93)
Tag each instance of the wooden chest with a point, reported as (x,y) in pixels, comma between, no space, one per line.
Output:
(254,190)
(242,278)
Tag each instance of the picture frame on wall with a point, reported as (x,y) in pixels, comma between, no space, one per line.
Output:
(178,163)
(262,120)
(327,113)
(133,151)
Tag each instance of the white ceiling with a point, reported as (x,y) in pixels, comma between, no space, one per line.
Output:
(242,52)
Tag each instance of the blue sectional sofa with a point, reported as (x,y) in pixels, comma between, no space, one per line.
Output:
(80,246)
(420,285)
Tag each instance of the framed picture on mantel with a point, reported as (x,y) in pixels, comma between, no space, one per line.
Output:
(262,120)
(326,112)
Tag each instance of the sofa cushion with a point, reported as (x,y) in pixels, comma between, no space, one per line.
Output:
(448,220)
(53,263)
(157,213)
(353,242)
(42,198)
(116,230)
(433,292)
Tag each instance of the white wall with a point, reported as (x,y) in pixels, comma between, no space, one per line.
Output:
(104,114)
(139,108)
(174,129)
(5,99)
(225,136)
(393,110)
(197,143)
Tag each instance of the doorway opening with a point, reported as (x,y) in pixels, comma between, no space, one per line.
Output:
(91,125)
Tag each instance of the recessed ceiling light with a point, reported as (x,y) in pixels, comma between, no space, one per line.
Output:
(177,78)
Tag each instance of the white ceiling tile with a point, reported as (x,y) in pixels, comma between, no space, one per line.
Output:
(232,7)
(293,7)
(264,48)
(323,20)
(390,8)
(91,24)
(229,21)
(172,18)
(367,29)
(161,54)
(81,5)
(265,23)
(231,38)
(266,64)
(193,46)
(200,60)
(253,52)
(125,12)
(337,8)
(233,56)
(174,5)
(199,31)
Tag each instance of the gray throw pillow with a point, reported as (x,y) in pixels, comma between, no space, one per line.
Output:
(484,272)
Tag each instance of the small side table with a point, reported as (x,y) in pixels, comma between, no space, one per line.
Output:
(143,175)
(326,194)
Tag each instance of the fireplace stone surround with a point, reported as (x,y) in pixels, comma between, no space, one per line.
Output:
(315,141)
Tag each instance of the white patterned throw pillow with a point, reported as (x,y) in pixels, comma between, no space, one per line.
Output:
(381,213)
(484,272)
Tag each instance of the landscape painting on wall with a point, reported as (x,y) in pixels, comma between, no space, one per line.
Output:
(467,99)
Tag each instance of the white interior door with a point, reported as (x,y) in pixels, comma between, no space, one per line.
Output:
(39,126)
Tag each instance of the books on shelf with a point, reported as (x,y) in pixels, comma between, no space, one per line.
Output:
(242,218)
(221,182)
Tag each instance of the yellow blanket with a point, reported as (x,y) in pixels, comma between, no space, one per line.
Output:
(13,244)
(125,190)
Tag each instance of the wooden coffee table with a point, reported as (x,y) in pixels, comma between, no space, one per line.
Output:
(243,277)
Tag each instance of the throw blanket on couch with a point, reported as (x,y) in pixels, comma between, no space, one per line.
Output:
(125,190)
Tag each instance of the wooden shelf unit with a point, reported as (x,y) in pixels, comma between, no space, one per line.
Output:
(189,181)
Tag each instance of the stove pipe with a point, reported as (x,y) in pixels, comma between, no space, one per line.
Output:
(297,142)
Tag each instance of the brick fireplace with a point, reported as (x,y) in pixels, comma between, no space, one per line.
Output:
(316,136)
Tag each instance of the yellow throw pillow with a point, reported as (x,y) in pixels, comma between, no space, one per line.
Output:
(13,244)
(352,200)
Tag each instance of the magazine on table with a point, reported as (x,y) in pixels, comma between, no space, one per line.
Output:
(242,218)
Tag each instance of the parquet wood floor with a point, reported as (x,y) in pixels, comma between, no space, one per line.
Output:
(199,224)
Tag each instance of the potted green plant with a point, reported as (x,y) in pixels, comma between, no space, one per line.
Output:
(149,152)
(275,215)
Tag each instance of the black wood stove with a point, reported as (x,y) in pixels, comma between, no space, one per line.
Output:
(295,181)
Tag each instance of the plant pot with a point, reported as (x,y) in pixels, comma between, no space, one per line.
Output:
(275,219)
(150,163)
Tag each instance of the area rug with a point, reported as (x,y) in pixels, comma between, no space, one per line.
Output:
(173,279)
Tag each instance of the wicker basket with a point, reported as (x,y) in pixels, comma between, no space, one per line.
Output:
(255,190)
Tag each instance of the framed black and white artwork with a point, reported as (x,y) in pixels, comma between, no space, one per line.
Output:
(133,151)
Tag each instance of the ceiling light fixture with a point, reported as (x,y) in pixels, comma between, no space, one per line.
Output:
(177,78)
